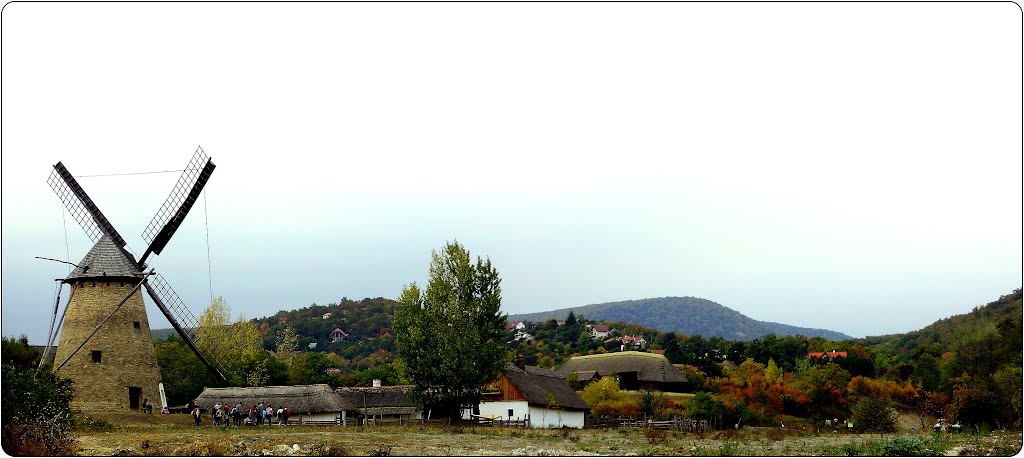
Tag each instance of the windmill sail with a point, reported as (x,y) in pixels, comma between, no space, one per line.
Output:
(182,320)
(81,206)
(157,234)
(178,203)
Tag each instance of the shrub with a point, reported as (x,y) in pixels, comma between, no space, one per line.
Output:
(656,436)
(899,446)
(381,450)
(36,414)
(875,414)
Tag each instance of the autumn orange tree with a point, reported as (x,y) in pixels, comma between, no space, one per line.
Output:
(752,392)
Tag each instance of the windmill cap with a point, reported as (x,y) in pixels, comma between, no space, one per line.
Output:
(104,260)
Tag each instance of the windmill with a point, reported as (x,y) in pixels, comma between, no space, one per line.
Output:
(105,345)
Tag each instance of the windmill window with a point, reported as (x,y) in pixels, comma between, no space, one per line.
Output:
(97,356)
(137,326)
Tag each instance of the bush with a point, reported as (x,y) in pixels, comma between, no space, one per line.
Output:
(656,436)
(35,412)
(381,450)
(899,446)
(875,414)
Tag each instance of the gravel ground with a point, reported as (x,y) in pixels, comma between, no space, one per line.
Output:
(173,436)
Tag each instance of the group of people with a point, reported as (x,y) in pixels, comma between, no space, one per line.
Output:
(257,415)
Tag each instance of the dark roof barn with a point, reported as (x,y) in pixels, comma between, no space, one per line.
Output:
(636,369)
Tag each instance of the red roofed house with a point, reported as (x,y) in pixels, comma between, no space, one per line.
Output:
(634,342)
(516,325)
(337,335)
(817,355)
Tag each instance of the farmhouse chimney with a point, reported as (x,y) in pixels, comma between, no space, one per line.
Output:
(519,361)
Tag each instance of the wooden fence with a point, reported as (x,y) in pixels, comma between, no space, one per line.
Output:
(692,425)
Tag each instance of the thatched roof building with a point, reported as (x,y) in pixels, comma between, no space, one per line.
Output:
(300,399)
(636,370)
(540,387)
(380,400)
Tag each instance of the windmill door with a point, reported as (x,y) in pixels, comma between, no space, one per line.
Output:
(134,397)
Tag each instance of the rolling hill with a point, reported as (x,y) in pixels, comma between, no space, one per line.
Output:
(686,315)
(1000,317)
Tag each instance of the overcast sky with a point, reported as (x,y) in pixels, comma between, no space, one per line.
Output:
(850,166)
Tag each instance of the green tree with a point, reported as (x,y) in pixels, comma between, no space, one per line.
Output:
(571,319)
(311,368)
(449,337)
(772,372)
(670,343)
(184,376)
(652,404)
(704,406)
(875,414)
(927,372)
(825,387)
(237,345)
(287,345)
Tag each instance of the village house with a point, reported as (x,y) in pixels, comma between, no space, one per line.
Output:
(522,336)
(326,316)
(536,396)
(635,370)
(599,331)
(516,326)
(828,355)
(306,403)
(337,335)
(379,405)
(633,342)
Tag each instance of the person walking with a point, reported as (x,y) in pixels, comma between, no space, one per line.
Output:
(196,413)
(218,414)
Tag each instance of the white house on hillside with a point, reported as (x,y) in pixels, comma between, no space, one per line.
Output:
(599,331)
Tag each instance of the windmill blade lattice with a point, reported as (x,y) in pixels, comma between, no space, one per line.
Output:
(178,203)
(81,206)
(182,319)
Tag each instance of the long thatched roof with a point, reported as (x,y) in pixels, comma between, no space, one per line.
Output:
(544,388)
(298,398)
(386,400)
(649,367)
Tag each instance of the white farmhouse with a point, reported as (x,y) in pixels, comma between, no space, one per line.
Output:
(533,394)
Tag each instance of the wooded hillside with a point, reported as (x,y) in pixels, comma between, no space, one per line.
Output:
(686,315)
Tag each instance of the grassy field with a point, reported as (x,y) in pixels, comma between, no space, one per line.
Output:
(172,435)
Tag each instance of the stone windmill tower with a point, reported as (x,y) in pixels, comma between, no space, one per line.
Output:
(105,346)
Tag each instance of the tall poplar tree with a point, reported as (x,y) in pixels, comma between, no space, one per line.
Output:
(449,336)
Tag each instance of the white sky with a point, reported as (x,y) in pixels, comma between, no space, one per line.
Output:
(850,166)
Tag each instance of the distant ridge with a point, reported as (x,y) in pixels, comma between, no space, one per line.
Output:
(686,315)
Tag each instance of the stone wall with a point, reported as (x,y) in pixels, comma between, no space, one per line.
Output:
(126,351)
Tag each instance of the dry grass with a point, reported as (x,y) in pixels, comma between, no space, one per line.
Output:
(173,435)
